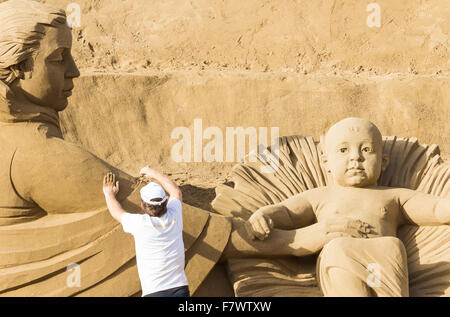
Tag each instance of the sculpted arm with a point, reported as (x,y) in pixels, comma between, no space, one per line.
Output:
(424,209)
(294,212)
(297,242)
(297,214)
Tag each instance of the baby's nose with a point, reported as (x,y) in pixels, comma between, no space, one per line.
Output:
(356,155)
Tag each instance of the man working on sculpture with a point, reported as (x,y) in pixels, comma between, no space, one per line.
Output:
(158,234)
(353,156)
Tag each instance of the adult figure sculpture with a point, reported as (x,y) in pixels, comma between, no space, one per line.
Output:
(52,210)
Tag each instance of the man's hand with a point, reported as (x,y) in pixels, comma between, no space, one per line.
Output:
(346,227)
(110,186)
(147,171)
(110,189)
(259,226)
(169,186)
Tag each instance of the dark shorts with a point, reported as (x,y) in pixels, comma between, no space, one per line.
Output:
(181,291)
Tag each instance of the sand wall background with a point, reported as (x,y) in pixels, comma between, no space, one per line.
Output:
(140,112)
(303,36)
(150,66)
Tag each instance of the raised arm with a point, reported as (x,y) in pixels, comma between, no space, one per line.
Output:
(110,190)
(423,209)
(169,186)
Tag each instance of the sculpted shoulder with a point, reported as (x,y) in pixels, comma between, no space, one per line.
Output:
(316,195)
(27,134)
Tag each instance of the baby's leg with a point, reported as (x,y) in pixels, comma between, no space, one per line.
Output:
(346,284)
(363,267)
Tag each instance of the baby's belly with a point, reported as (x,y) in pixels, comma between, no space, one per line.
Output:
(380,226)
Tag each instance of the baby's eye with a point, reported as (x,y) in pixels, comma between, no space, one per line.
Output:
(343,150)
(367,149)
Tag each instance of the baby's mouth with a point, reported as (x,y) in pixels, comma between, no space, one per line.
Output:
(355,170)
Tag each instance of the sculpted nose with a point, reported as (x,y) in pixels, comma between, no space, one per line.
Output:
(72,70)
(356,155)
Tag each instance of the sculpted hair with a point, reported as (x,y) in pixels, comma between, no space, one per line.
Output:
(22,28)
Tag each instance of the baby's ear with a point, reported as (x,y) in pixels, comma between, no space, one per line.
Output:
(323,154)
(324,161)
(384,162)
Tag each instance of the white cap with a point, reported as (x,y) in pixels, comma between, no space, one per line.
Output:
(151,191)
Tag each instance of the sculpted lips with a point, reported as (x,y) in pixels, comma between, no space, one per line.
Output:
(68,92)
(355,170)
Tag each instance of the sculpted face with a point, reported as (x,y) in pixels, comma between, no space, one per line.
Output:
(53,71)
(354,154)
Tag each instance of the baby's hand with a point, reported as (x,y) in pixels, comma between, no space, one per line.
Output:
(346,227)
(259,226)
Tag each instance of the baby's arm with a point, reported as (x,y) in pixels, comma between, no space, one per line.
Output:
(295,212)
(423,209)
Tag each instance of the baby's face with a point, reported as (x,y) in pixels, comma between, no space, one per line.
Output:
(354,154)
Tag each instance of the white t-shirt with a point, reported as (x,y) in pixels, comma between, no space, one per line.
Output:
(159,247)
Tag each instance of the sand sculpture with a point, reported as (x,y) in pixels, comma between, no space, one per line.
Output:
(425,257)
(53,217)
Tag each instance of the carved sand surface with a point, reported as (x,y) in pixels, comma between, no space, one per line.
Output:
(148,68)
(299,36)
